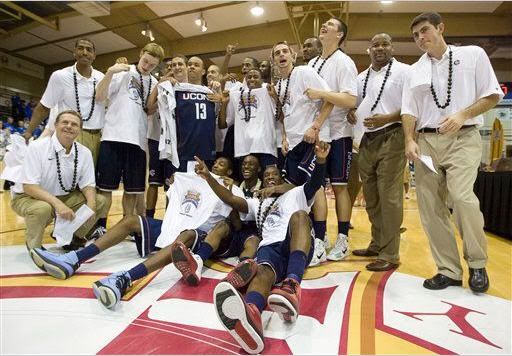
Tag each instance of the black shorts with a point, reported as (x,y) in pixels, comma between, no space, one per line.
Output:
(120,159)
(233,246)
(160,170)
(299,163)
(339,161)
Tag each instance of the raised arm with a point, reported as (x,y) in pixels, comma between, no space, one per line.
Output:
(237,203)
(103,85)
(318,176)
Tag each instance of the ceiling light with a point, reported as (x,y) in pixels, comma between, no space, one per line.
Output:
(387,2)
(204,28)
(148,33)
(257,10)
(199,20)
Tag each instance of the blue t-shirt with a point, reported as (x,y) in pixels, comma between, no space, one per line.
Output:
(195,125)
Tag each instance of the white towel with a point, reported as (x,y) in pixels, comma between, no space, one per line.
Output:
(14,159)
(168,142)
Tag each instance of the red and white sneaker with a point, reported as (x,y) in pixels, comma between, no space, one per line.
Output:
(241,320)
(242,274)
(188,264)
(285,300)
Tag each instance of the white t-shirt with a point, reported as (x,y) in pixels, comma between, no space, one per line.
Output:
(340,73)
(473,79)
(154,126)
(300,111)
(275,225)
(391,98)
(126,120)
(60,93)
(192,205)
(258,134)
(40,166)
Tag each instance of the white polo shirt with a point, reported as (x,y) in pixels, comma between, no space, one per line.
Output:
(258,134)
(275,226)
(473,78)
(126,120)
(40,166)
(60,93)
(300,111)
(391,98)
(340,73)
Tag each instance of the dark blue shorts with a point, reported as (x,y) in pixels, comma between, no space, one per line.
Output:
(120,159)
(339,161)
(235,245)
(160,170)
(300,163)
(276,255)
(146,240)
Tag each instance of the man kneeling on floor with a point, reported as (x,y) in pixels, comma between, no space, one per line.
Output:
(197,205)
(284,252)
(56,180)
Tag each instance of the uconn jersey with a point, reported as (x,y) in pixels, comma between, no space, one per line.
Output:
(195,122)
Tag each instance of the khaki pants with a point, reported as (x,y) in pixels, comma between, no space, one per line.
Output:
(456,159)
(39,214)
(381,166)
(91,139)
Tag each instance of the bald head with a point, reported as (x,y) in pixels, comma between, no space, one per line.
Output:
(381,50)
(382,35)
(311,48)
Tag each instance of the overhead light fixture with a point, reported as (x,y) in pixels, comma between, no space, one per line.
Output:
(204,28)
(386,2)
(199,20)
(257,10)
(148,33)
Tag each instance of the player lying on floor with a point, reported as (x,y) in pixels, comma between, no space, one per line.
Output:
(215,236)
(286,248)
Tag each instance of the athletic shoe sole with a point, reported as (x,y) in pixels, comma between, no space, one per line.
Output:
(105,295)
(242,274)
(180,260)
(53,269)
(37,260)
(233,316)
(338,257)
(283,307)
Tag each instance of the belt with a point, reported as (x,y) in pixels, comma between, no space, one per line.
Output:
(436,129)
(94,131)
(372,134)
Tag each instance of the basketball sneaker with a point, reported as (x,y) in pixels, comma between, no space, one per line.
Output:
(57,266)
(109,290)
(340,249)
(188,264)
(285,300)
(319,254)
(241,320)
(242,274)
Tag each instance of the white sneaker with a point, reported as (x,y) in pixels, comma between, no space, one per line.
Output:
(340,249)
(319,255)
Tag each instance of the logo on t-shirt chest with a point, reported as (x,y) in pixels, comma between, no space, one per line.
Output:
(190,203)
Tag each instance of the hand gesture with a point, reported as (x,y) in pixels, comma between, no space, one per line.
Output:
(215,86)
(231,49)
(118,68)
(228,182)
(264,193)
(122,60)
(351,117)
(201,169)
(412,150)
(311,135)
(451,124)
(313,94)
(64,211)
(376,121)
(321,151)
